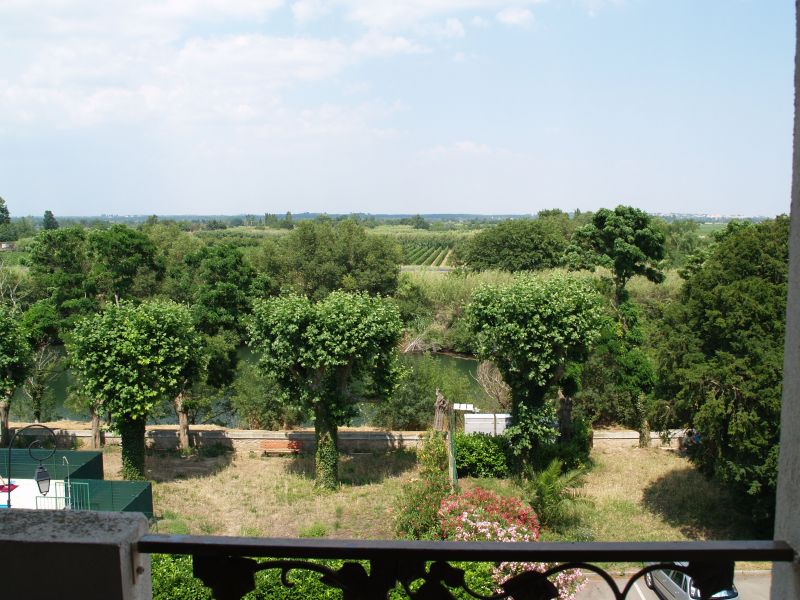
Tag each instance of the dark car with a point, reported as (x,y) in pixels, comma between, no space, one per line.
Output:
(675,585)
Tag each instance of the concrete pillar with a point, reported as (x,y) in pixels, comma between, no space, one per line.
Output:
(65,554)
(786,576)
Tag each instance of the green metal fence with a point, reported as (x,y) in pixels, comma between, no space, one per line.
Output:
(82,464)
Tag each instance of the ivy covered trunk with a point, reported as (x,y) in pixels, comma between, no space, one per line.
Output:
(327,455)
(95,427)
(5,405)
(132,433)
(183,421)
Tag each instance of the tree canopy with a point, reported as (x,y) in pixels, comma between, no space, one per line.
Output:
(49,221)
(15,356)
(124,262)
(325,356)
(531,329)
(519,245)
(130,357)
(625,240)
(321,257)
(721,357)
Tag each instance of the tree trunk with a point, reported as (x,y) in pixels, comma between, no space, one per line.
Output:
(95,427)
(327,455)
(5,406)
(183,421)
(564,415)
(644,434)
(132,433)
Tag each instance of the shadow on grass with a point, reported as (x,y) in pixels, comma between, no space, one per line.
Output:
(700,508)
(170,465)
(359,469)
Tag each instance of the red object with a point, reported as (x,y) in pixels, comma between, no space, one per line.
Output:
(4,488)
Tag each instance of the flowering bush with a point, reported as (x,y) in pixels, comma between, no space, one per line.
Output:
(483,515)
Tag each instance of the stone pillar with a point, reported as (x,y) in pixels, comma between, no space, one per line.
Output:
(70,554)
(786,576)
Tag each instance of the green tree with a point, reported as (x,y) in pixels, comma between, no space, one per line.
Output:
(5,217)
(531,330)
(124,262)
(40,325)
(219,288)
(518,245)
(410,407)
(128,358)
(59,269)
(15,356)
(326,356)
(618,376)
(625,240)
(49,221)
(323,256)
(721,358)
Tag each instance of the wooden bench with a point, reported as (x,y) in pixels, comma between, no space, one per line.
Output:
(280,446)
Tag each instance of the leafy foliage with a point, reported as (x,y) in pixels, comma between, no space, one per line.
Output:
(15,357)
(49,221)
(59,269)
(721,358)
(416,511)
(625,240)
(326,356)
(410,407)
(321,257)
(518,245)
(482,455)
(531,330)
(553,494)
(129,357)
(124,262)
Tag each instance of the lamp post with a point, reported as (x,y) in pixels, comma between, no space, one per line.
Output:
(40,476)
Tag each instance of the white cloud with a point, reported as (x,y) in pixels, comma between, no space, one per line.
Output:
(515,16)
(378,44)
(479,21)
(461,149)
(309,10)
(398,14)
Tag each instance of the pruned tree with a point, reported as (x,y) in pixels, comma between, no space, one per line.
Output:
(319,351)
(129,357)
(531,329)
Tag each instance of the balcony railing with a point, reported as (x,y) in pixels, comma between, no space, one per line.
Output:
(227,565)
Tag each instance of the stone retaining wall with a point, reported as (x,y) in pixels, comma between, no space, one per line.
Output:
(294,442)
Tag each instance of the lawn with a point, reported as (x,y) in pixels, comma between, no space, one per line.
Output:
(636,494)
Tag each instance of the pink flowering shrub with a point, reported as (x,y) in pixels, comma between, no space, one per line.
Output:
(481,515)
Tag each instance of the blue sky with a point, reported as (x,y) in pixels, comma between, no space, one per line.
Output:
(478,106)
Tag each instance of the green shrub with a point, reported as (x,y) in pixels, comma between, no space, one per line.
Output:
(416,510)
(173,579)
(482,455)
(553,495)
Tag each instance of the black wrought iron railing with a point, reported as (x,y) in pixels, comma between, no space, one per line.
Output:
(228,565)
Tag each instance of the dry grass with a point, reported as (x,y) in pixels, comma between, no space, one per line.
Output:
(272,497)
(655,495)
(637,495)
